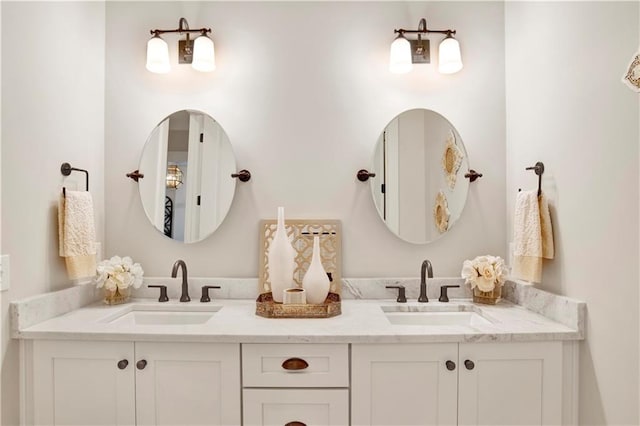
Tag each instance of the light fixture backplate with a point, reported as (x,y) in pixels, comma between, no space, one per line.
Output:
(185,51)
(420,51)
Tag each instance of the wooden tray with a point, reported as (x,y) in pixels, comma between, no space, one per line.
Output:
(266,307)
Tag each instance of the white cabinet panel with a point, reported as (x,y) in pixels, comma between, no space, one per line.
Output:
(279,407)
(80,383)
(511,384)
(404,384)
(187,384)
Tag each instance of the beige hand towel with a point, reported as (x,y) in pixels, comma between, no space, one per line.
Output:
(533,236)
(77,234)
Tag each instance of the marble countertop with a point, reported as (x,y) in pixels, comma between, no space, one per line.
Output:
(362,321)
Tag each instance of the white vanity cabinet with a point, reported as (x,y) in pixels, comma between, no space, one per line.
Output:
(126,383)
(295,384)
(450,383)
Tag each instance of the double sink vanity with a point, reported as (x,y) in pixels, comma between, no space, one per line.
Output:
(379,362)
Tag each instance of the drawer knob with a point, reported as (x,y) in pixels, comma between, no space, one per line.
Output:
(469,364)
(450,365)
(295,424)
(295,364)
(141,364)
(122,364)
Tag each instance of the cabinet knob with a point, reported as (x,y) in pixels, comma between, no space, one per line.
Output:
(450,365)
(469,364)
(140,365)
(295,364)
(122,364)
(295,424)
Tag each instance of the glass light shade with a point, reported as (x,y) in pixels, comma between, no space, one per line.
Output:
(174,176)
(204,56)
(158,55)
(449,58)
(400,56)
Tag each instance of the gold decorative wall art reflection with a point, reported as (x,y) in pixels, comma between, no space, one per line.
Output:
(441,212)
(451,159)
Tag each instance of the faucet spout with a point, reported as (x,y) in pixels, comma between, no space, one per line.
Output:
(184,297)
(427,270)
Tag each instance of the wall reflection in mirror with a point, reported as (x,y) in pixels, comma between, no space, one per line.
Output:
(419,189)
(187,189)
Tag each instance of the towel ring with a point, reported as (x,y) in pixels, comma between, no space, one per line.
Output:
(539,170)
(66,170)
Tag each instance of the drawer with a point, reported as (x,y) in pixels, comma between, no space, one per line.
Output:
(300,407)
(295,365)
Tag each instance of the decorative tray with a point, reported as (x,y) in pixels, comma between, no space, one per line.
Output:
(266,307)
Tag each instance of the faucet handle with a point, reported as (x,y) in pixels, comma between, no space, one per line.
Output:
(205,293)
(444,297)
(402,297)
(163,292)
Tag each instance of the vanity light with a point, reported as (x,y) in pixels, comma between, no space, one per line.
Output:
(199,52)
(405,52)
(174,176)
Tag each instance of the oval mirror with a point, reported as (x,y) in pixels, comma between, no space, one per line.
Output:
(419,189)
(187,187)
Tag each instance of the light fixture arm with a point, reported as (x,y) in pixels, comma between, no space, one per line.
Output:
(422,29)
(183,27)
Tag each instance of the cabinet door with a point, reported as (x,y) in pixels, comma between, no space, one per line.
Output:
(187,384)
(81,383)
(404,384)
(510,384)
(280,407)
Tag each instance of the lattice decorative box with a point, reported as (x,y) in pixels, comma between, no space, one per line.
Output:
(301,233)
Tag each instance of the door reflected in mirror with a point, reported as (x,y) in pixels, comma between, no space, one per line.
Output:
(419,189)
(187,164)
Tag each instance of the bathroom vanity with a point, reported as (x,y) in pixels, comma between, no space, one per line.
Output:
(380,362)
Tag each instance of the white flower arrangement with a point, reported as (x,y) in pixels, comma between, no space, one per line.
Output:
(119,273)
(484,272)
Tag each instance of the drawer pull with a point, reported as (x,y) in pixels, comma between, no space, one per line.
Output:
(295,364)
(295,424)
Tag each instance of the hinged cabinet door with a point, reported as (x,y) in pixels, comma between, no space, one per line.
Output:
(83,383)
(187,384)
(510,383)
(404,384)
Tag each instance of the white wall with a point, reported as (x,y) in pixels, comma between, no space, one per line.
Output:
(567,108)
(303,91)
(52,112)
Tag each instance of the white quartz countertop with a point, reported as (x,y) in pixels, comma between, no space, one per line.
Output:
(361,321)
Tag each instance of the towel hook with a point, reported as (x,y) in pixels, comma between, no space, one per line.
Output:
(66,170)
(539,170)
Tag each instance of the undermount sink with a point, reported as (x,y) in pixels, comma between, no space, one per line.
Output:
(141,315)
(438,316)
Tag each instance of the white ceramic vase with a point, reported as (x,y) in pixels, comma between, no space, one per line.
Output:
(281,258)
(316,282)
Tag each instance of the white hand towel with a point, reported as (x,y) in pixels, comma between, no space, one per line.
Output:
(533,236)
(77,234)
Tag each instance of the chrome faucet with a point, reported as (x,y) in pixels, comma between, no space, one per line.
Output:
(426,268)
(185,286)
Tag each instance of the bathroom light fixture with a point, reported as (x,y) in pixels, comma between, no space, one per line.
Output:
(174,176)
(200,53)
(404,53)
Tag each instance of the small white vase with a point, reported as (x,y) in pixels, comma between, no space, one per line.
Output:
(315,281)
(281,258)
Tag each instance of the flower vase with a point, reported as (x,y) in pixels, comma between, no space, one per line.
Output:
(281,260)
(117,296)
(487,297)
(316,282)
